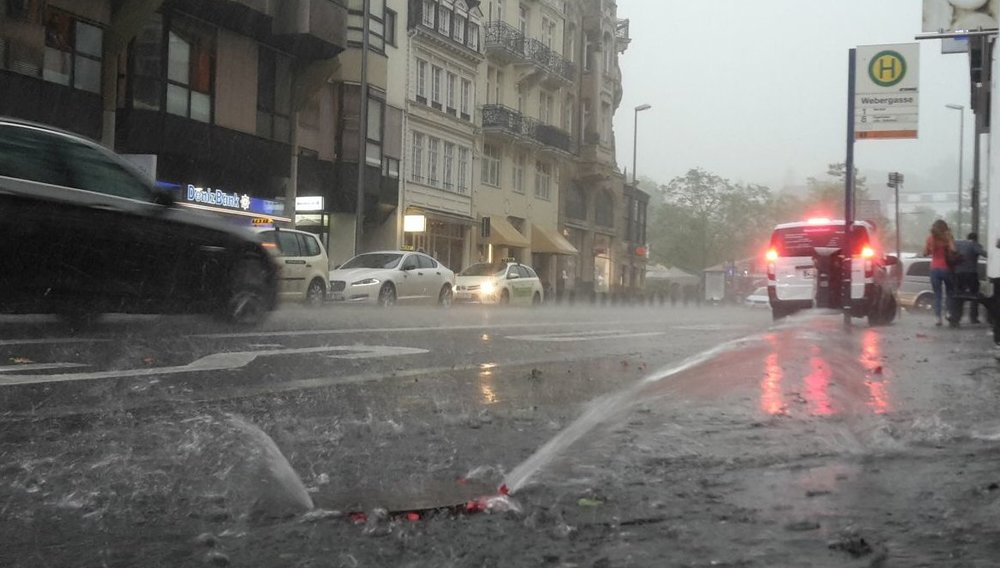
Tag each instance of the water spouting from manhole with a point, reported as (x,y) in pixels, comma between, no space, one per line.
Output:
(600,410)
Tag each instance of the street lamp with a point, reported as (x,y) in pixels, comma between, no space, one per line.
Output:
(961,142)
(635,136)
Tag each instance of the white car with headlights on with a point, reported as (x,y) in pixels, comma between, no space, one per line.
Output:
(390,277)
(501,282)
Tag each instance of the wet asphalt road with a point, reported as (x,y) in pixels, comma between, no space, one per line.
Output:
(632,436)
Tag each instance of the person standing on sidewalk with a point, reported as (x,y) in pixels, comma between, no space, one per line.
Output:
(941,243)
(967,276)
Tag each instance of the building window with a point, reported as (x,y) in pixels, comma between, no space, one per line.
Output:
(416,171)
(606,124)
(190,51)
(458,33)
(147,65)
(428,16)
(373,146)
(519,161)
(376,24)
(274,95)
(421,80)
(464,163)
(452,93)
(472,41)
(604,210)
(448,168)
(548,32)
(72,52)
(496,12)
(433,146)
(543,180)
(466,99)
(576,203)
(390,27)
(491,165)
(545,107)
(444,21)
(436,78)
(523,16)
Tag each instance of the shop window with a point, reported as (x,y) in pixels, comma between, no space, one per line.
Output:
(605,210)
(274,95)
(73,51)
(190,54)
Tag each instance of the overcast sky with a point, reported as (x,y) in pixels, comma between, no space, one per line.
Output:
(756,90)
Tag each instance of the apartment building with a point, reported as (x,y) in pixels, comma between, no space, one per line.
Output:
(526,149)
(227,102)
(443,61)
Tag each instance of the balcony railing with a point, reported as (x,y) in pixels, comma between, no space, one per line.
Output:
(507,42)
(504,39)
(512,123)
(548,60)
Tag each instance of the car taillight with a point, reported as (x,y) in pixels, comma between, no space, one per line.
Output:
(771,257)
(868,254)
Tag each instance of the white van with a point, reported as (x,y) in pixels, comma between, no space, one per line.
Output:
(803,270)
(303,264)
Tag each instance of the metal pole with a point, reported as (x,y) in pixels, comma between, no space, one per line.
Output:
(359,222)
(848,191)
(635,141)
(899,257)
(961,165)
(975,177)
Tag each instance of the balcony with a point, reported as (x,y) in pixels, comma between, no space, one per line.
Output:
(504,43)
(312,29)
(511,126)
(551,69)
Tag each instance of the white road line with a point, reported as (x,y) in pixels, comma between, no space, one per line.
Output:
(303,332)
(217,362)
(584,336)
(38,367)
(51,340)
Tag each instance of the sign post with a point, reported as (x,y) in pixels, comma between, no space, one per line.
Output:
(845,269)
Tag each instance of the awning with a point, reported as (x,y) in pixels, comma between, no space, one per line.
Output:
(545,240)
(504,234)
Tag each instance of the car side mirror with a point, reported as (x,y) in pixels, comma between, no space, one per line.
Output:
(163,197)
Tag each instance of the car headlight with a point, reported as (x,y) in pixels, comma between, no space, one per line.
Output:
(366,282)
(488,288)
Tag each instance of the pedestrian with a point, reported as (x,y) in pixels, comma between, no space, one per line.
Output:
(967,276)
(940,245)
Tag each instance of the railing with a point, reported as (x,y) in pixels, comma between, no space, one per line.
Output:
(503,36)
(546,58)
(516,124)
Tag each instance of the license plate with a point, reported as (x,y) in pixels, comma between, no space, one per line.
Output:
(808,273)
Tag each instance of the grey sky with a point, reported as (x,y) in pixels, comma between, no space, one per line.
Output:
(756,90)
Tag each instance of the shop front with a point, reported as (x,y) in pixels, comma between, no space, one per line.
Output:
(239,208)
(443,236)
(547,247)
(602,265)
(500,238)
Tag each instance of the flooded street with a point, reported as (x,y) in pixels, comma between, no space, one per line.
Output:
(626,436)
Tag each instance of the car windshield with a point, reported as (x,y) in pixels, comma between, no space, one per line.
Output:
(484,269)
(374,260)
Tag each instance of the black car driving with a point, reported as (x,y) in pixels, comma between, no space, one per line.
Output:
(82,232)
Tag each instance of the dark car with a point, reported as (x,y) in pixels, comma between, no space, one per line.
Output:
(84,233)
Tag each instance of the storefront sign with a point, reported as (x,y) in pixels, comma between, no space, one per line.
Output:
(414,223)
(261,221)
(217,198)
(309,203)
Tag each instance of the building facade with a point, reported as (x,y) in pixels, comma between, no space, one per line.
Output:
(443,61)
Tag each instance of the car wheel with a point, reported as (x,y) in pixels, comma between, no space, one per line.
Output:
(924,303)
(505,297)
(446,297)
(387,295)
(891,307)
(536,299)
(246,303)
(316,292)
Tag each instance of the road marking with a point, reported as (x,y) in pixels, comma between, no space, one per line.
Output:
(217,362)
(51,340)
(302,332)
(584,336)
(712,327)
(38,367)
